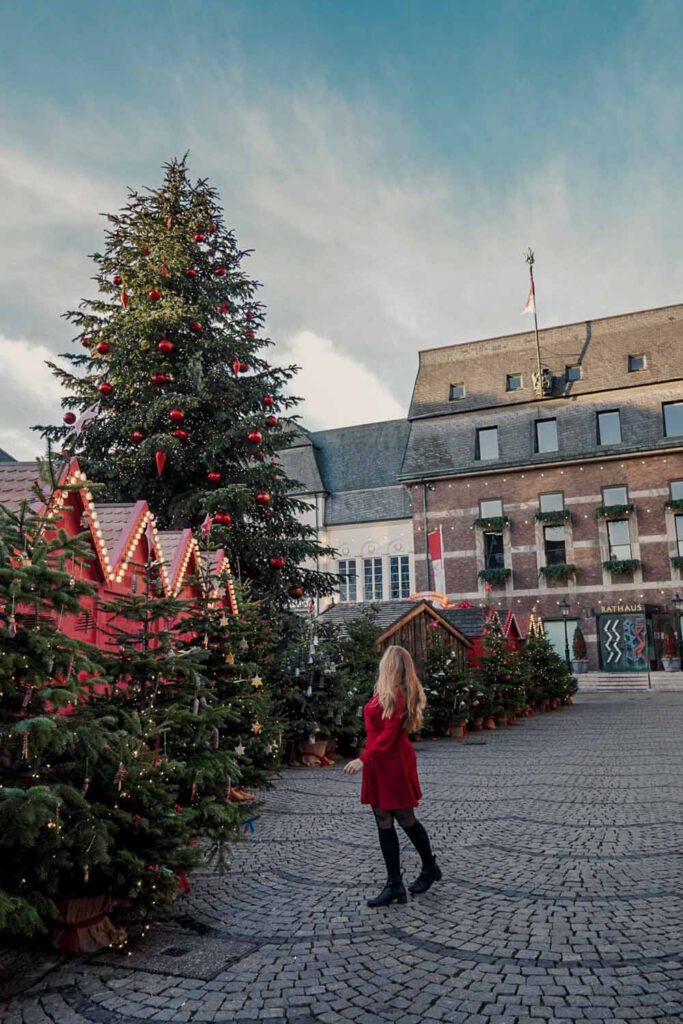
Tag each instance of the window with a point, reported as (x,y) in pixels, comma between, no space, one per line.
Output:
(572,372)
(679,535)
(609,427)
(673,419)
(347,583)
(457,391)
(487,443)
(560,632)
(546,435)
(490,508)
(551,502)
(614,496)
(372,579)
(676,489)
(513,382)
(636,363)
(619,539)
(494,557)
(399,576)
(555,546)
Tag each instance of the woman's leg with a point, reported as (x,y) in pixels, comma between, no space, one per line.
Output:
(418,836)
(394,891)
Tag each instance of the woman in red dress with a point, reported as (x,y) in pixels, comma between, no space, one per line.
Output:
(390,783)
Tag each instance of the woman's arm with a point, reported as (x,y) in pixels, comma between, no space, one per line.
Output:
(384,740)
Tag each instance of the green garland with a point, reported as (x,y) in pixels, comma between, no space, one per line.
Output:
(677,562)
(613,511)
(557,518)
(618,567)
(563,571)
(494,575)
(492,523)
(676,504)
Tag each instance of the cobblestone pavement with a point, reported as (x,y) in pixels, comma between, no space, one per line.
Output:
(560,843)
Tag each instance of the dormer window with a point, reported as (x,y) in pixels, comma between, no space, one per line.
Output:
(457,391)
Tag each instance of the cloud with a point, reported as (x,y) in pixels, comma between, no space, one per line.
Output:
(30,395)
(336,389)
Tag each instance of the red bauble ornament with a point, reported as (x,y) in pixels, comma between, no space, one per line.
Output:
(103,348)
(249,334)
(272,421)
(223,519)
(263,498)
(136,436)
(250,314)
(118,280)
(213,477)
(190,272)
(219,271)
(277,562)
(268,400)
(159,378)
(177,415)
(255,436)
(198,236)
(297,592)
(154,295)
(105,388)
(182,435)
(145,250)
(85,342)
(196,327)
(69,417)
(224,308)
(244,367)
(165,346)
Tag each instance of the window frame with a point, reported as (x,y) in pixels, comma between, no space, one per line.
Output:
(665,406)
(679,539)
(514,376)
(671,493)
(498,534)
(400,577)
(598,432)
(613,487)
(456,398)
(563,560)
(611,523)
(548,494)
(490,515)
(477,451)
(375,560)
(546,451)
(345,585)
(637,369)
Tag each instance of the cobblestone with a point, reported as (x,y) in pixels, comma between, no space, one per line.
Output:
(561,844)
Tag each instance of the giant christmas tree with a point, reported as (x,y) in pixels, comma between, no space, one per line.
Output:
(182,408)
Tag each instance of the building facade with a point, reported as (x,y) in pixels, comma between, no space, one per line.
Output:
(560,490)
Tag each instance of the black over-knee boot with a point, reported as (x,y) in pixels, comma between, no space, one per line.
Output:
(431,872)
(394,891)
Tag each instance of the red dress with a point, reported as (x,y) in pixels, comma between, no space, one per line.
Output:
(390,779)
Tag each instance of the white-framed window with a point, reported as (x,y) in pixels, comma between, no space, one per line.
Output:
(348,590)
(551,502)
(619,538)
(372,579)
(399,576)
(679,535)
(491,508)
(487,444)
(546,435)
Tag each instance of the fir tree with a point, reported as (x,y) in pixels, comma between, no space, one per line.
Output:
(501,671)
(548,675)
(450,691)
(190,415)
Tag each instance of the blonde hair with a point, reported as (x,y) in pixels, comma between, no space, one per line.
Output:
(397,675)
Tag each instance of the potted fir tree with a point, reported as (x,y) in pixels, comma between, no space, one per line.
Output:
(580,659)
(671,656)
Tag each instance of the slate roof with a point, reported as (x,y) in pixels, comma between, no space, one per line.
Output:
(115,520)
(300,464)
(376,503)
(470,621)
(361,457)
(5,456)
(17,483)
(383,613)
(169,540)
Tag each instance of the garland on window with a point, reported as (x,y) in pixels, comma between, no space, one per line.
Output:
(613,511)
(677,562)
(494,575)
(492,523)
(557,518)
(619,566)
(675,504)
(562,571)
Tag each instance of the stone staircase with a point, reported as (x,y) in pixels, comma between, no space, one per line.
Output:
(605,682)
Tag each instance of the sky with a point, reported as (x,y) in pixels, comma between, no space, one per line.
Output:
(387,161)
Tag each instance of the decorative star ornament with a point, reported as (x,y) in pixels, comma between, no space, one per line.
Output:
(240,749)
(257,728)
(257,682)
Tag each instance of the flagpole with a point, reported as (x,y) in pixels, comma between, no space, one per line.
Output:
(529,257)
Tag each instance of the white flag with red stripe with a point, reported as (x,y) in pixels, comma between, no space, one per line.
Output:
(531,299)
(206,525)
(435,541)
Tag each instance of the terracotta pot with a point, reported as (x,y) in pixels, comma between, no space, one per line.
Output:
(477,725)
(331,746)
(529,712)
(490,723)
(501,719)
(567,701)
(456,730)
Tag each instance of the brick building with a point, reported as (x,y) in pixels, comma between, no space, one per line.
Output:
(564,495)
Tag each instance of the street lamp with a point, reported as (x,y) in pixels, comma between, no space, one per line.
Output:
(564,607)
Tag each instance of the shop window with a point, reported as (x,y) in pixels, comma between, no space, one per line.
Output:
(372,579)
(494,556)
(560,633)
(551,502)
(487,444)
(619,537)
(546,435)
(555,545)
(399,576)
(347,582)
(609,427)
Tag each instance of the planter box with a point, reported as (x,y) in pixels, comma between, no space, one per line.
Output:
(456,730)
(671,664)
(579,666)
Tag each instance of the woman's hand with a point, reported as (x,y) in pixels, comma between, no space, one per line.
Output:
(353,767)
